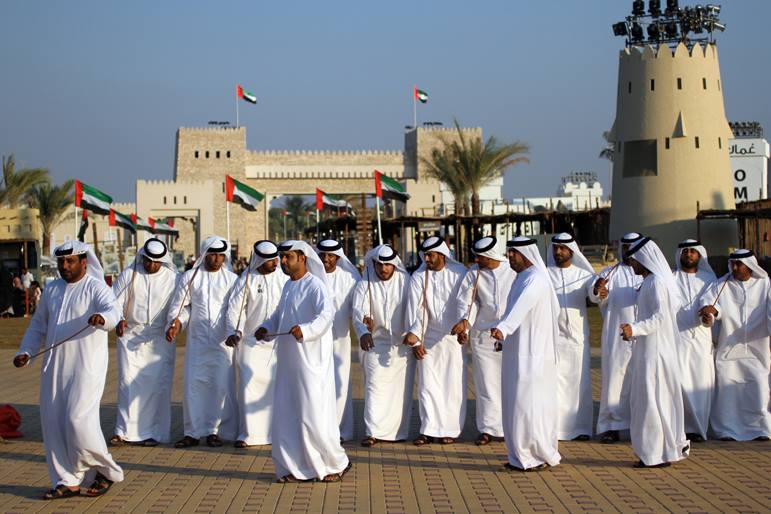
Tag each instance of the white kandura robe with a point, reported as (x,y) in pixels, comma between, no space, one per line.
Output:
(617,308)
(574,382)
(305,432)
(741,404)
(489,305)
(529,394)
(255,361)
(72,378)
(657,428)
(697,360)
(442,372)
(389,367)
(145,358)
(341,284)
(209,399)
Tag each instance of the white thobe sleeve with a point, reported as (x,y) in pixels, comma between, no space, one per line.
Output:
(271,323)
(521,301)
(35,335)
(105,305)
(322,321)
(650,325)
(464,296)
(413,316)
(120,289)
(180,294)
(360,300)
(709,296)
(590,290)
(236,306)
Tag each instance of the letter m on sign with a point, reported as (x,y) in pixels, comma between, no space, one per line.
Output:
(740,193)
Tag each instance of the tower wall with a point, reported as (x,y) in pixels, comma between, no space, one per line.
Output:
(671,147)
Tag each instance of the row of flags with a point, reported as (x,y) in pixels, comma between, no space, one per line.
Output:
(386,188)
(242,94)
(89,198)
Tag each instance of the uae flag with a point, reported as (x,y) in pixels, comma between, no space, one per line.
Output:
(83,227)
(324,199)
(164,226)
(121,220)
(141,224)
(238,192)
(389,189)
(87,197)
(420,95)
(245,95)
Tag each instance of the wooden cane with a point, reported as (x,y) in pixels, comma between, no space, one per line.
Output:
(73,336)
(245,292)
(130,293)
(721,289)
(187,291)
(473,297)
(369,291)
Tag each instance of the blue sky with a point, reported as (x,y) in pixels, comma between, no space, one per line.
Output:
(96,90)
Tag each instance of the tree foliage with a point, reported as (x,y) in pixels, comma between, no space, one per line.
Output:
(52,202)
(17,184)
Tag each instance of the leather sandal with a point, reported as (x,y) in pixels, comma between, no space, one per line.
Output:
(99,486)
(483,440)
(186,442)
(423,439)
(213,440)
(115,440)
(447,440)
(61,492)
(369,442)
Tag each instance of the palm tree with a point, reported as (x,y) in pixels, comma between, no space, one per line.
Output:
(17,184)
(51,202)
(442,166)
(296,208)
(482,162)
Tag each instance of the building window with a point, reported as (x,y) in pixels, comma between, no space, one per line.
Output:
(164,200)
(184,200)
(218,154)
(227,154)
(207,154)
(704,83)
(679,83)
(653,85)
(640,159)
(196,154)
(629,86)
(696,140)
(175,200)
(666,143)
(720,142)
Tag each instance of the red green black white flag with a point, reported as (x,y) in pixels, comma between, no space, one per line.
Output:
(389,189)
(243,94)
(87,197)
(238,192)
(420,95)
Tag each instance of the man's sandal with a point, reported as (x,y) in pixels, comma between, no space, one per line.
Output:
(147,443)
(337,477)
(609,437)
(61,492)
(447,440)
(510,467)
(368,442)
(186,442)
(99,486)
(287,479)
(116,440)
(640,464)
(422,439)
(240,444)
(213,440)
(483,439)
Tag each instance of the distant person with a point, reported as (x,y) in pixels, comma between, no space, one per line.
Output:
(79,307)
(697,360)
(18,298)
(26,278)
(656,428)
(34,292)
(740,300)
(616,292)
(145,359)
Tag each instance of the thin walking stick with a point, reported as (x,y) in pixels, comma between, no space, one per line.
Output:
(721,289)
(473,297)
(73,336)
(187,291)
(369,291)
(246,291)
(130,293)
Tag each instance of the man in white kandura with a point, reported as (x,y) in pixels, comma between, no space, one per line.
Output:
(656,426)
(486,287)
(697,361)
(342,277)
(616,292)
(740,300)
(573,279)
(389,366)
(77,311)
(145,358)
(431,314)
(209,400)
(253,300)
(528,331)
(305,431)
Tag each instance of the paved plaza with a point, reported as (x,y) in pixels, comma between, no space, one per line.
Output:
(394,478)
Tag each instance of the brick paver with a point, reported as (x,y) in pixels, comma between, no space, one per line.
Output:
(393,478)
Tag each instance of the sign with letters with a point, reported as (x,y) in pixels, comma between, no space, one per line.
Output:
(749,168)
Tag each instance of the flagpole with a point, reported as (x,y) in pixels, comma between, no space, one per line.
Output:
(317,225)
(76,221)
(227,216)
(379,229)
(414,108)
(237,120)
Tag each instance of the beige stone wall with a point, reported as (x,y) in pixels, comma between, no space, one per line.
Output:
(19,224)
(684,102)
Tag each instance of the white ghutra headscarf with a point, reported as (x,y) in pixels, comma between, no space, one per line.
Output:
(488,247)
(336,248)
(93,266)
(648,253)
(747,257)
(578,260)
(696,245)
(312,261)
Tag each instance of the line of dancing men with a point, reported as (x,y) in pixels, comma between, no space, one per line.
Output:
(268,353)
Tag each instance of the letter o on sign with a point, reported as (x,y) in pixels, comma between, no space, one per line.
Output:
(740,175)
